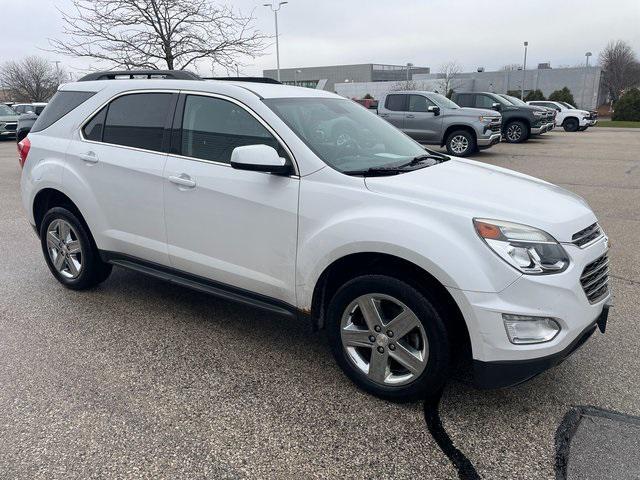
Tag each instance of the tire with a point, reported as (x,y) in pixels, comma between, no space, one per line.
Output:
(582,129)
(70,251)
(425,347)
(461,143)
(516,132)
(570,125)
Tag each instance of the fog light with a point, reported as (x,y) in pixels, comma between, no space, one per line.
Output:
(524,329)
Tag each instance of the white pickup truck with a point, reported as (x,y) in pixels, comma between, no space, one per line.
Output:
(571,118)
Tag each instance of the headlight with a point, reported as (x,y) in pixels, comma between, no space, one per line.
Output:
(525,248)
(484,119)
(538,114)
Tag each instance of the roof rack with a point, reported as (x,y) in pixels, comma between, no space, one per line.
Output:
(147,74)
(245,79)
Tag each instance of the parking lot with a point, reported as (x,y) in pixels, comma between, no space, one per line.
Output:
(140,378)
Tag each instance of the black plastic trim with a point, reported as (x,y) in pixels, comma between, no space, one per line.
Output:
(202,284)
(245,79)
(501,374)
(163,74)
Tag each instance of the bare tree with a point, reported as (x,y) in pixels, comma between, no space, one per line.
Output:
(449,73)
(405,85)
(173,34)
(34,79)
(621,69)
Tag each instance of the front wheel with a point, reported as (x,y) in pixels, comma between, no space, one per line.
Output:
(460,143)
(516,132)
(70,252)
(388,338)
(571,125)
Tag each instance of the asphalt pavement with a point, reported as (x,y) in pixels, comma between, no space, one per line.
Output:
(142,379)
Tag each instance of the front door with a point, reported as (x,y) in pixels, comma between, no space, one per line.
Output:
(421,124)
(231,226)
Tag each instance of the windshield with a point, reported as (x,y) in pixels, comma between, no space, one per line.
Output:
(345,135)
(442,101)
(514,100)
(4,110)
(568,105)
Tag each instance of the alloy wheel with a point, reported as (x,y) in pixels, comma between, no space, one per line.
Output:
(65,251)
(514,132)
(459,144)
(384,339)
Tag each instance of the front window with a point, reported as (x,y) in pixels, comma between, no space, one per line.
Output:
(568,105)
(4,110)
(442,101)
(343,134)
(514,100)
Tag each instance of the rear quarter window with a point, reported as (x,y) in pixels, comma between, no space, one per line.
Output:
(61,104)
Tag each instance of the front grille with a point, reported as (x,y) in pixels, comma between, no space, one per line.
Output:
(595,279)
(10,126)
(587,235)
(495,127)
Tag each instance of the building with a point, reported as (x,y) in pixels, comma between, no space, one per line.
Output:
(326,77)
(585,83)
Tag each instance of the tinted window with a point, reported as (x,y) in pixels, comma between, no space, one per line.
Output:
(418,103)
(93,129)
(38,109)
(137,120)
(61,104)
(484,101)
(212,128)
(465,100)
(395,103)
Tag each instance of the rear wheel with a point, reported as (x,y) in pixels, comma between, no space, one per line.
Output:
(70,252)
(388,338)
(460,143)
(570,125)
(516,132)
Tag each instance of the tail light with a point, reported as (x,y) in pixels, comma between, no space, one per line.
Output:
(23,150)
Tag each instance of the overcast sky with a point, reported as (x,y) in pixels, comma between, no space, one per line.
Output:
(424,32)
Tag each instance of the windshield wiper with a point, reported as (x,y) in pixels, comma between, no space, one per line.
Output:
(403,167)
(376,171)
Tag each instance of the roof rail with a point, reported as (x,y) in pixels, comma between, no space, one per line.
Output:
(245,79)
(148,74)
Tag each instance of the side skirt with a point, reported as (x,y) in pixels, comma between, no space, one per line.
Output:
(202,284)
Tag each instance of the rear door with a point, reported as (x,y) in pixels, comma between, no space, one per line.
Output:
(120,159)
(395,109)
(421,124)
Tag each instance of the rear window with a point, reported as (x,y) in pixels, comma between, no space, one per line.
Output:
(61,104)
(396,103)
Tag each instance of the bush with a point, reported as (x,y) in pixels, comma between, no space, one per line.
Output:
(628,107)
(367,96)
(534,95)
(563,95)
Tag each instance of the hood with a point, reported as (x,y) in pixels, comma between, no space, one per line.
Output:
(9,118)
(475,189)
(475,112)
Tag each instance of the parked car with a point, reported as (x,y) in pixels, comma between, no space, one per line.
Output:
(551,112)
(433,119)
(518,122)
(25,123)
(35,107)
(302,203)
(571,118)
(8,122)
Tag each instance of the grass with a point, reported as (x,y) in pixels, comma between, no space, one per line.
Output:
(618,123)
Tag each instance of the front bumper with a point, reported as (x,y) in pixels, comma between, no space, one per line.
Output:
(487,375)
(7,133)
(539,130)
(489,141)
(560,296)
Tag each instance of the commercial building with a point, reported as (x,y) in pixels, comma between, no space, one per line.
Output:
(326,77)
(585,83)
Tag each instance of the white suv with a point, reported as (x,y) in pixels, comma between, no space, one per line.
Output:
(303,203)
(568,116)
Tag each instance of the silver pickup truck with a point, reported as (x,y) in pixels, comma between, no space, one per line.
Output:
(433,119)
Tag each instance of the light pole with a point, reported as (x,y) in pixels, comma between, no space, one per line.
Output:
(57,62)
(275,9)
(409,65)
(584,78)
(524,69)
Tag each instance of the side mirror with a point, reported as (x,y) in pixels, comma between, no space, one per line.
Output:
(259,158)
(496,106)
(434,109)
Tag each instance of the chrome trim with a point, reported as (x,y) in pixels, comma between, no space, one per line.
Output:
(186,92)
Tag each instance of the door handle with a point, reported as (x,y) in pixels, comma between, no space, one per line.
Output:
(383,114)
(411,116)
(89,157)
(182,180)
